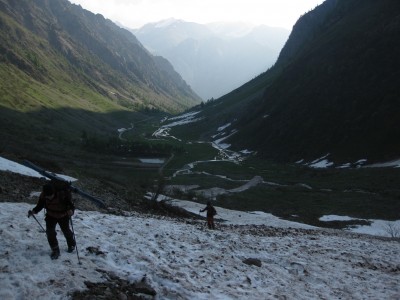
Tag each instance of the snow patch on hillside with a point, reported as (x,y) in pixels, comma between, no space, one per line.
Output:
(187,118)
(323,162)
(393,163)
(9,165)
(377,227)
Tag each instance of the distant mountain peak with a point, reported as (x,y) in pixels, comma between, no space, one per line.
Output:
(231,29)
(166,22)
(214,58)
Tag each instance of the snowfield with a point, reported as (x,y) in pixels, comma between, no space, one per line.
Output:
(184,260)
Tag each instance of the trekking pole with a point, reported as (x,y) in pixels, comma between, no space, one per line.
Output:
(38,223)
(76,244)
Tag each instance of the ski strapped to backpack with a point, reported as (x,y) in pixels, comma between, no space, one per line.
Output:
(54,177)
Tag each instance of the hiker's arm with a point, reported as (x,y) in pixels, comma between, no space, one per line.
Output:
(40,205)
(70,204)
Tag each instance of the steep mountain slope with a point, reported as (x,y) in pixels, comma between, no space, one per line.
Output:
(334,89)
(62,66)
(217,57)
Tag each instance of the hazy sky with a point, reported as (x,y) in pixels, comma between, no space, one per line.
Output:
(135,13)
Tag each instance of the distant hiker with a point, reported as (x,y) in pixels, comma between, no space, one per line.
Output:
(57,200)
(211,212)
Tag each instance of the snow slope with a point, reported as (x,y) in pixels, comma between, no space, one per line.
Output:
(184,260)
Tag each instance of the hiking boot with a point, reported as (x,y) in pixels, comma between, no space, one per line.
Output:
(71,249)
(55,254)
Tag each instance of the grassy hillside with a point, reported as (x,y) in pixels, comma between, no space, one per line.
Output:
(64,71)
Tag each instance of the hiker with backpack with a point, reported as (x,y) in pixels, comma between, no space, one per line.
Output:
(211,212)
(57,200)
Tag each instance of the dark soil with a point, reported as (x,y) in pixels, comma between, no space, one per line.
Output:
(115,288)
(20,188)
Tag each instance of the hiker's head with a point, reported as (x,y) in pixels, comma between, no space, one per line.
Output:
(48,190)
(209,203)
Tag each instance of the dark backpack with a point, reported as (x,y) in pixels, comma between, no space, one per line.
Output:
(214,212)
(62,190)
(60,185)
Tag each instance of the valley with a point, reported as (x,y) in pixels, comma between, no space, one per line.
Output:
(294,141)
(204,171)
(291,191)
